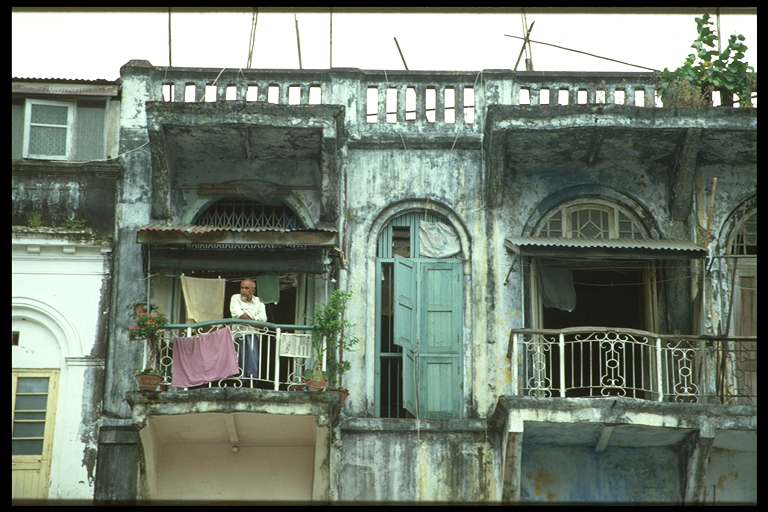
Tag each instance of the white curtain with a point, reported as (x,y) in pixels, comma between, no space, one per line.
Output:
(437,240)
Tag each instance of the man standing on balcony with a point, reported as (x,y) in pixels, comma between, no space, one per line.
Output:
(246,305)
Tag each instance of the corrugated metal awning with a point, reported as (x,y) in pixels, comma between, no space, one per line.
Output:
(213,237)
(620,248)
(65,86)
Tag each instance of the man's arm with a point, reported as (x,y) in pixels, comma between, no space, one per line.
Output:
(261,314)
(235,308)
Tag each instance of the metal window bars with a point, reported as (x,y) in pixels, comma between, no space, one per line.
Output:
(238,213)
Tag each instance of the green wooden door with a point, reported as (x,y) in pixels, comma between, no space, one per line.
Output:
(428,320)
(406,325)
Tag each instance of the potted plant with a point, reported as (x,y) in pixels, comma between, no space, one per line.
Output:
(147,328)
(330,325)
(708,70)
(148,379)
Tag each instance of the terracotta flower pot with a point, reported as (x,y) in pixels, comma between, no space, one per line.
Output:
(316,385)
(343,392)
(149,381)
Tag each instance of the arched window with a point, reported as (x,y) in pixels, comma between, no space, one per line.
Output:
(590,220)
(741,314)
(417,235)
(744,237)
(742,263)
(244,213)
(590,282)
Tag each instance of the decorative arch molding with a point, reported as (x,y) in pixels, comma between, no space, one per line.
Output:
(53,320)
(744,209)
(599,193)
(291,201)
(420,205)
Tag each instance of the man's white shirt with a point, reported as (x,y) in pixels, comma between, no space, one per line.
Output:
(254,309)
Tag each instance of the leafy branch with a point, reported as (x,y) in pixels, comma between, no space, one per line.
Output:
(329,323)
(708,70)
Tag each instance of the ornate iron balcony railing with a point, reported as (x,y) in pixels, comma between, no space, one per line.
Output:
(280,353)
(604,362)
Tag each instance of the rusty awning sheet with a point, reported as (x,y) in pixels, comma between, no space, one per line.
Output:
(620,248)
(208,237)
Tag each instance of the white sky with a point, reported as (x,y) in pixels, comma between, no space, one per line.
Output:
(91,45)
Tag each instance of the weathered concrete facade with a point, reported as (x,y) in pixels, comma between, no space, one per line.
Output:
(486,398)
(61,243)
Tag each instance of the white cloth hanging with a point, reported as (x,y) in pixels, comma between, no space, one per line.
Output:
(437,240)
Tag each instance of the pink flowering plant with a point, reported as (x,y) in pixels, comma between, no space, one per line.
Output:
(146,328)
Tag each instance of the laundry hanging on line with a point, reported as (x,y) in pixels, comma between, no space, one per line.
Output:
(208,358)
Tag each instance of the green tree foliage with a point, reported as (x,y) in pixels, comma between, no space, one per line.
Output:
(330,324)
(707,70)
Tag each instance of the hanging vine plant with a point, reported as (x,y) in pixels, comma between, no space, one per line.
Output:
(707,70)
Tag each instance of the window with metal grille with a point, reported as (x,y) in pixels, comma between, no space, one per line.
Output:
(590,220)
(59,130)
(243,213)
(48,130)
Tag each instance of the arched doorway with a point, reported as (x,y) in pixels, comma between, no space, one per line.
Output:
(571,290)
(419,318)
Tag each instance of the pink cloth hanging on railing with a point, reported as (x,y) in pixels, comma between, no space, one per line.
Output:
(204,359)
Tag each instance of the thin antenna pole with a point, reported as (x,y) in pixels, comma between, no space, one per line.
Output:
(711,210)
(525,28)
(522,49)
(528,39)
(401,55)
(330,39)
(298,42)
(585,53)
(719,51)
(255,20)
(170,62)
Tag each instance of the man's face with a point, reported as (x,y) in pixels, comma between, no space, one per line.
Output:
(247,289)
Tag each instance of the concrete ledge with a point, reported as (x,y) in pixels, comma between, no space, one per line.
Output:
(598,115)
(627,411)
(325,406)
(411,425)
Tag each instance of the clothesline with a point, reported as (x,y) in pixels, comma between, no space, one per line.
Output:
(227,279)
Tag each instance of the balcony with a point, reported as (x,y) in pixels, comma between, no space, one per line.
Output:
(599,362)
(269,356)
(199,440)
(450,103)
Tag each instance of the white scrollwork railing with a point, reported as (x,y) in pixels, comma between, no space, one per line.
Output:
(604,362)
(269,356)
